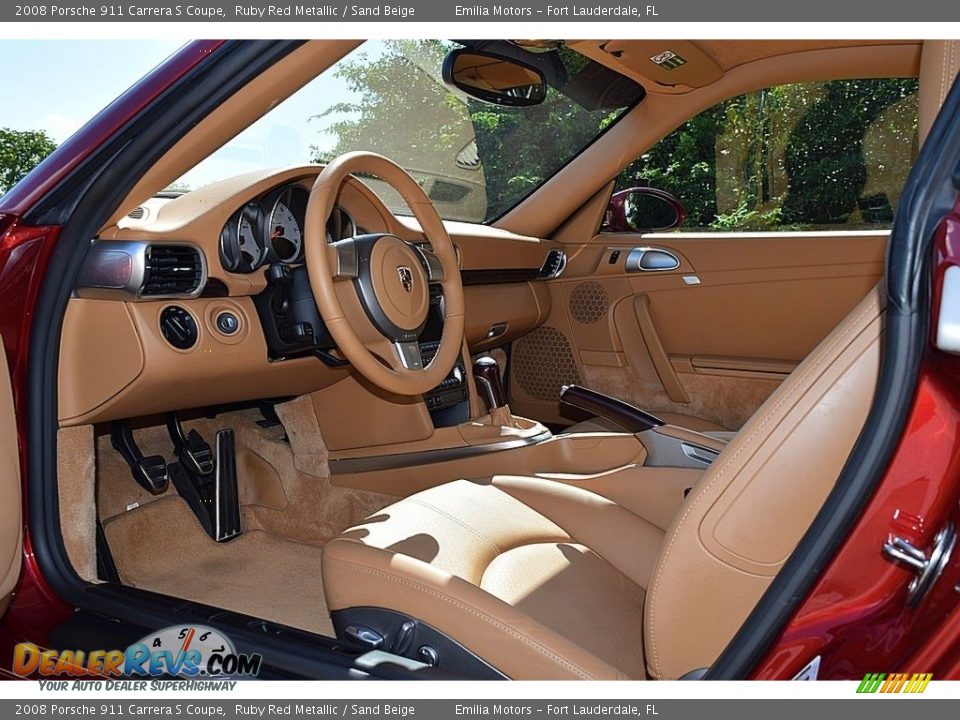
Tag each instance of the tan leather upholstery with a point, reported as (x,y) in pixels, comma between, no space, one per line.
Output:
(752,506)
(540,579)
(689,422)
(731,536)
(939,65)
(10,523)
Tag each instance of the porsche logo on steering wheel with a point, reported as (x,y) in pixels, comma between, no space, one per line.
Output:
(406,277)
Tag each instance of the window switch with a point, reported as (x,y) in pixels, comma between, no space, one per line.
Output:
(614,257)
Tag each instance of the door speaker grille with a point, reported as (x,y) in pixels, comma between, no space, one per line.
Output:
(589,302)
(543,362)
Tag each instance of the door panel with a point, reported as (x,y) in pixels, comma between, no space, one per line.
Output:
(10,505)
(712,338)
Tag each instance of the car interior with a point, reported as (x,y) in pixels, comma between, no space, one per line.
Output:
(551,443)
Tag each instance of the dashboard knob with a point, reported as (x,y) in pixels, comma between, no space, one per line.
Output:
(178,327)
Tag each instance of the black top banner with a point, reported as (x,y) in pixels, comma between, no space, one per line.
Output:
(523,10)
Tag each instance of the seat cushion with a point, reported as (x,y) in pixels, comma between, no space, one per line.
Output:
(539,579)
(689,422)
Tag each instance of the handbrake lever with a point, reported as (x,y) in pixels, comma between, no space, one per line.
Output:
(629,417)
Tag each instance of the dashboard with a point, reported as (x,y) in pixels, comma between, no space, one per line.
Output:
(203,298)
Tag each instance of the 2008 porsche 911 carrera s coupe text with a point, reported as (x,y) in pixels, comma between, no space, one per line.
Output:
(551,359)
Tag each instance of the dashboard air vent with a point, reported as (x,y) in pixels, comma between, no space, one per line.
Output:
(172,270)
(138,213)
(137,269)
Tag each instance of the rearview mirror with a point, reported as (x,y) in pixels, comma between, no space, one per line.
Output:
(643,209)
(493,78)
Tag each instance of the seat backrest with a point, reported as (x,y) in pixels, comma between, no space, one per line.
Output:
(738,527)
(939,65)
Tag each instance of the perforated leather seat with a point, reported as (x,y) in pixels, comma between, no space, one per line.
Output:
(546,581)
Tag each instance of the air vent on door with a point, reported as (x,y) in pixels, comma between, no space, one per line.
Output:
(172,271)
(554,265)
(135,270)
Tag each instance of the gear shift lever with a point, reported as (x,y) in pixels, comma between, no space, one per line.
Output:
(486,372)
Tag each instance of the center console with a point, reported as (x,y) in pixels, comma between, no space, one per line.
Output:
(449,402)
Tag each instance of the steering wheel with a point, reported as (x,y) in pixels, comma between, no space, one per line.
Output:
(372,291)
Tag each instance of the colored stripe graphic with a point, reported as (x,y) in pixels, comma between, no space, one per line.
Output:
(913,683)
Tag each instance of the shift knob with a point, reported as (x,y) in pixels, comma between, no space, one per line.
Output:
(486,372)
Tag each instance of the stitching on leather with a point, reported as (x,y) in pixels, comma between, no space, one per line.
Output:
(945,70)
(952,71)
(526,640)
(855,328)
(458,521)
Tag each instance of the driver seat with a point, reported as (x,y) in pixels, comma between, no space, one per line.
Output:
(543,580)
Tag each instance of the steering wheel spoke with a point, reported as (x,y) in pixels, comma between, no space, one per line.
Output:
(345,260)
(408,355)
(431,263)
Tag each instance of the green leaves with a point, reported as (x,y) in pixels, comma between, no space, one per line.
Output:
(402,109)
(20,152)
(790,157)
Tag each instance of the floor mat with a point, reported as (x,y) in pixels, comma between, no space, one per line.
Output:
(161,547)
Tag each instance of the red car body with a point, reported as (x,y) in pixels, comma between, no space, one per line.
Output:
(855,618)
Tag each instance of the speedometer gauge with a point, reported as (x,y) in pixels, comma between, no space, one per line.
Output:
(286,235)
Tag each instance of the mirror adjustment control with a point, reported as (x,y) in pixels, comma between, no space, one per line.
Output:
(228,323)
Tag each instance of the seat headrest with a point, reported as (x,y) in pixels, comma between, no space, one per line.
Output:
(939,65)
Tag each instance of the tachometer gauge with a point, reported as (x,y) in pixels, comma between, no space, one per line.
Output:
(286,235)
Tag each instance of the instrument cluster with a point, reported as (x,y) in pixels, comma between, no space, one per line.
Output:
(269,230)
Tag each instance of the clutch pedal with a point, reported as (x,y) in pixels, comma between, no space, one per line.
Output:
(150,472)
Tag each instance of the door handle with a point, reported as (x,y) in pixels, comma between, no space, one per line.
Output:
(645,259)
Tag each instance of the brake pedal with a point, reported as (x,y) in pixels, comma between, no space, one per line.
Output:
(192,450)
(150,472)
(226,511)
(195,494)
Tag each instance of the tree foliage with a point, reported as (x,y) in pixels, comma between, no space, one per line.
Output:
(522,147)
(400,109)
(403,110)
(20,152)
(788,157)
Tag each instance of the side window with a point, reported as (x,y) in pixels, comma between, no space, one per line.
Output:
(808,156)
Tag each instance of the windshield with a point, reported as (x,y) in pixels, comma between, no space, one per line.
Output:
(474,160)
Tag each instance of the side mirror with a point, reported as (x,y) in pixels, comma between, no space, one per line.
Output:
(643,209)
(493,78)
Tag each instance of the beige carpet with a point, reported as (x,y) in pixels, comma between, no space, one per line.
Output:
(160,546)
